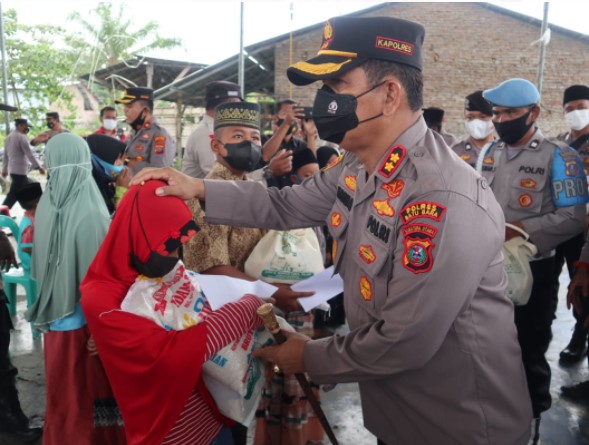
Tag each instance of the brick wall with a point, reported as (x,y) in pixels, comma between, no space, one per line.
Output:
(467,47)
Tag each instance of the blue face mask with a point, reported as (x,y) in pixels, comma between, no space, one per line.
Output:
(111,170)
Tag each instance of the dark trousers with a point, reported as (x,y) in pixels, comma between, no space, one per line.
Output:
(534,331)
(18,181)
(7,371)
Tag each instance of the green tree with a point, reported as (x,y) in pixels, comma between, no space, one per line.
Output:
(37,68)
(107,37)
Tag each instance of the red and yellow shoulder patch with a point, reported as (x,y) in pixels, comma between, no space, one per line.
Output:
(418,257)
(423,209)
(159,144)
(392,161)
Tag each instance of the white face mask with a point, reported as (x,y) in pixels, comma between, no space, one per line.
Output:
(479,129)
(109,124)
(577,119)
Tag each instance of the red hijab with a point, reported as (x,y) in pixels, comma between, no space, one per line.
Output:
(152,371)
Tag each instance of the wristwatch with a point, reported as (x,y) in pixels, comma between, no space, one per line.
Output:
(267,173)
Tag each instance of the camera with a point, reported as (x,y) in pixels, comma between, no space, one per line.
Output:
(308,113)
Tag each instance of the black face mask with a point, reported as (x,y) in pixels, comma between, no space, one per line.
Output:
(244,156)
(335,114)
(512,131)
(139,121)
(156,266)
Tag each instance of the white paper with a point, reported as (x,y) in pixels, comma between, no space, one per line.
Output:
(324,284)
(221,289)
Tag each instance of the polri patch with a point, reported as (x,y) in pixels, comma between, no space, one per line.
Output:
(383,207)
(366,253)
(418,257)
(336,219)
(350,182)
(365,288)
(423,209)
(525,200)
(392,161)
(394,188)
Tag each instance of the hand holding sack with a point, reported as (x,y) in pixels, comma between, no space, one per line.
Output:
(516,262)
(176,302)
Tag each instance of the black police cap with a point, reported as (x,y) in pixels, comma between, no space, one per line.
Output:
(575,92)
(476,102)
(350,41)
(433,115)
(136,93)
(28,193)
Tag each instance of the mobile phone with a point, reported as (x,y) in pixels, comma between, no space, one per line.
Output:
(308,111)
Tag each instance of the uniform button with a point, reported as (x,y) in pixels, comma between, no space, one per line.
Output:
(418,154)
(484,184)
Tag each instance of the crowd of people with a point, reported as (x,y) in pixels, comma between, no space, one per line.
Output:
(397,206)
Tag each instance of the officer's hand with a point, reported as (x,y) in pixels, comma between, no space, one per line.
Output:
(179,184)
(281,163)
(124,178)
(289,356)
(7,256)
(310,127)
(578,288)
(286,298)
(510,233)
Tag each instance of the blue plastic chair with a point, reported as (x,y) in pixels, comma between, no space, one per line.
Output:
(18,275)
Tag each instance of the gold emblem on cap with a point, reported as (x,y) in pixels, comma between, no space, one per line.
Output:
(327,31)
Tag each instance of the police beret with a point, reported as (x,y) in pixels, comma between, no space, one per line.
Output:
(105,147)
(238,114)
(575,92)
(20,121)
(302,157)
(350,41)
(433,115)
(136,93)
(476,102)
(4,107)
(28,193)
(222,89)
(513,93)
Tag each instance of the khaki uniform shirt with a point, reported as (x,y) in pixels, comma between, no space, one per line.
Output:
(18,155)
(151,146)
(432,343)
(219,245)
(198,157)
(523,188)
(467,151)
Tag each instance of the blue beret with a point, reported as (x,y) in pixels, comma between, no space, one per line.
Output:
(513,93)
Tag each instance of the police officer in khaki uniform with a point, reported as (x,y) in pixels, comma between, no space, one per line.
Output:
(419,236)
(434,119)
(542,189)
(150,144)
(477,118)
(576,113)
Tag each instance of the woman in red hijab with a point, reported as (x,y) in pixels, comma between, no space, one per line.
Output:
(155,373)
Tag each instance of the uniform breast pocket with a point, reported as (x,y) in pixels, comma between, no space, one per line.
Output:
(526,199)
(374,261)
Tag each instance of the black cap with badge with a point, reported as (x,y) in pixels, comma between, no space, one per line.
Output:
(350,41)
(221,91)
(575,92)
(136,93)
(476,102)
